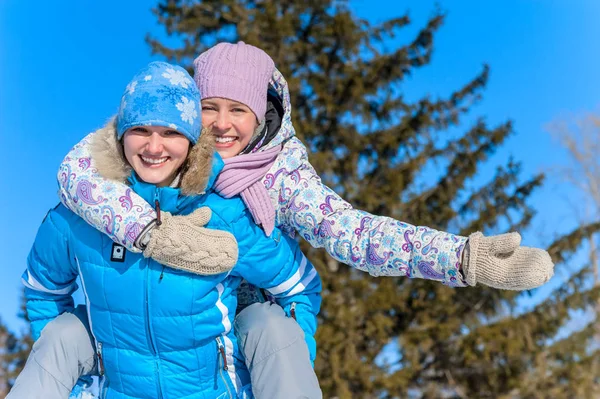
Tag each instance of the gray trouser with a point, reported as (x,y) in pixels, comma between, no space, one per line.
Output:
(62,354)
(273,345)
(276,354)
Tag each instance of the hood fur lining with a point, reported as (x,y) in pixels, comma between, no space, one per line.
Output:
(198,165)
(107,153)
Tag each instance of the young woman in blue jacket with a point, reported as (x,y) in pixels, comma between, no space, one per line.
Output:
(160,332)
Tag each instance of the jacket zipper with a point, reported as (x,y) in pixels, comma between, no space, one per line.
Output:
(148,328)
(223,366)
(100,360)
(158,223)
(103,380)
(157,208)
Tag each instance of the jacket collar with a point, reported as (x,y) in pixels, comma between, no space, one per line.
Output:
(171,199)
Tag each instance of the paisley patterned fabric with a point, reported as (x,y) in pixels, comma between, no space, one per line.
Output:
(378,245)
(109,206)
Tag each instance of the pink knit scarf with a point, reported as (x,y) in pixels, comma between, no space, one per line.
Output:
(243,175)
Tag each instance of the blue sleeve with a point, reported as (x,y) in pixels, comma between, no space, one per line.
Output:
(50,276)
(278,265)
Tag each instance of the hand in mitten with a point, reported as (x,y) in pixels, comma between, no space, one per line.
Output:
(500,262)
(181,242)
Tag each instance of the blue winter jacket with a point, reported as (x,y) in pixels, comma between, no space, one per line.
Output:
(161,332)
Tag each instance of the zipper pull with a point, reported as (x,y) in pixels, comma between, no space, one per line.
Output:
(162,274)
(293,310)
(100,360)
(222,350)
(157,206)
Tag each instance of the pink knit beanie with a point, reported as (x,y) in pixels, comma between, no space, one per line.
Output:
(238,72)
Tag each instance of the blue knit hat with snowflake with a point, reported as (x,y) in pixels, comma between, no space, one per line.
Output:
(164,95)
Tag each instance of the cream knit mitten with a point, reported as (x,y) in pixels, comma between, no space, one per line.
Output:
(500,262)
(182,243)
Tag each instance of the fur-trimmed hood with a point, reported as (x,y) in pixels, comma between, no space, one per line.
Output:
(198,173)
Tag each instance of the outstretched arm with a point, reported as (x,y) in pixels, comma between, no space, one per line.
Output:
(383,246)
(378,245)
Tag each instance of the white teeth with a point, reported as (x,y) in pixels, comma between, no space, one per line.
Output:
(154,161)
(225,139)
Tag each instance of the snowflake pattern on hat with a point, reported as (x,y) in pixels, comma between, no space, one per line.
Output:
(188,110)
(161,94)
(180,77)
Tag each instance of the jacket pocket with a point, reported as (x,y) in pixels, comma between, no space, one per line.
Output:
(101,371)
(100,356)
(223,367)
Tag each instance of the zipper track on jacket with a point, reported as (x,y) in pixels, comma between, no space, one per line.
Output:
(100,359)
(148,327)
(149,330)
(147,301)
(103,378)
(223,364)
(98,345)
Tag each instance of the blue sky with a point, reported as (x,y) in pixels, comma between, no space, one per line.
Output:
(65,64)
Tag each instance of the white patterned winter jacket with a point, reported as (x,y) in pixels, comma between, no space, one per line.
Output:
(378,245)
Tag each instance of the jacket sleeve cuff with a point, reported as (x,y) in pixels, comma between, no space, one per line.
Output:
(454,276)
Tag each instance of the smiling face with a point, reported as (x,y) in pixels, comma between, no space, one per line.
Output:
(155,153)
(232,123)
